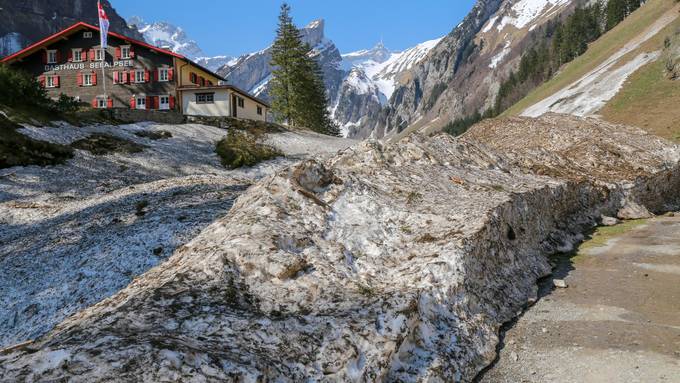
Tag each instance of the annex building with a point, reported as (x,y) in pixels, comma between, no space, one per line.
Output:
(137,75)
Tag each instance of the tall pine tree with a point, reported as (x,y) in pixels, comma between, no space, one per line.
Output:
(298,91)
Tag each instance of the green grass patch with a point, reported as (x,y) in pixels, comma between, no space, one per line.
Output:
(597,52)
(241,149)
(101,144)
(604,234)
(17,149)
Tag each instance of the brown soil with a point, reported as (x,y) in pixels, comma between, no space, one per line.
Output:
(618,320)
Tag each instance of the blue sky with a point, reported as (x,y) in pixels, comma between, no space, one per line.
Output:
(236,27)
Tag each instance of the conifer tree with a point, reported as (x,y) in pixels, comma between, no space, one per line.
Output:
(298,91)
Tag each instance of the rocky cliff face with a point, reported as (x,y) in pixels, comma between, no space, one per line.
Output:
(383,263)
(165,35)
(27,21)
(252,72)
(462,73)
(358,84)
(162,34)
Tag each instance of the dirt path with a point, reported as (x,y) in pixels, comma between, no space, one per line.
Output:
(617,321)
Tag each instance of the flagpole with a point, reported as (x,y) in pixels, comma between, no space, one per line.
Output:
(102,40)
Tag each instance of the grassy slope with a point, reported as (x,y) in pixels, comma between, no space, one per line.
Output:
(597,52)
(648,98)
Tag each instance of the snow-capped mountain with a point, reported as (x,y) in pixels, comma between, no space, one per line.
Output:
(252,72)
(462,73)
(383,67)
(166,35)
(359,83)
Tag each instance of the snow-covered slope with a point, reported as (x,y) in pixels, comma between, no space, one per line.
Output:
(166,35)
(383,67)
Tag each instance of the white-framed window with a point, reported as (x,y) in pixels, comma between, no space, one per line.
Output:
(87,79)
(140,76)
(102,102)
(163,74)
(259,110)
(52,56)
(164,102)
(140,102)
(77,55)
(87,35)
(205,98)
(50,82)
(99,54)
(125,52)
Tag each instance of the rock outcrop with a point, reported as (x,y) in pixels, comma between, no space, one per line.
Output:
(386,262)
(27,21)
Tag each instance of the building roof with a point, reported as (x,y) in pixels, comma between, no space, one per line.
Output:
(227,87)
(33,48)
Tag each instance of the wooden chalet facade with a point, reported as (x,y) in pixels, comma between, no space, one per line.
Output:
(137,75)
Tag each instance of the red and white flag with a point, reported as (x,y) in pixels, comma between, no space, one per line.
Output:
(103,26)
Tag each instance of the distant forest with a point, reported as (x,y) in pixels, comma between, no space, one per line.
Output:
(560,42)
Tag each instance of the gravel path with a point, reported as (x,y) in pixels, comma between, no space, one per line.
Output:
(617,321)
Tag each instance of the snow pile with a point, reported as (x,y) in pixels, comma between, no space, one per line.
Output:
(382,263)
(77,233)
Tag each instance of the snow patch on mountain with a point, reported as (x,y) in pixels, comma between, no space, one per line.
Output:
(382,67)
(172,37)
(497,59)
(523,12)
(10,43)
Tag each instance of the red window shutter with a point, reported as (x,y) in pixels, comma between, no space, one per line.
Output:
(109,103)
(119,54)
(94,102)
(132,52)
(80,79)
(147,76)
(156,102)
(115,78)
(44,57)
(132,76)
(172,102)
(133,102)
(149,102)
(126,78)
(91,53)
(58,57)
(56,81)
(94,78)
(84,55)
(70,55)
(202,81)
(171,74)
(41,80)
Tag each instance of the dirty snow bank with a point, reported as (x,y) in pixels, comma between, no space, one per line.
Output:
(75,234)
(395,263)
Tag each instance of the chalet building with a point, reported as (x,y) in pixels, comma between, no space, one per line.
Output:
(138,75)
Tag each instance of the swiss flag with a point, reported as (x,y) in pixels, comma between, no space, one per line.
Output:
(103,25)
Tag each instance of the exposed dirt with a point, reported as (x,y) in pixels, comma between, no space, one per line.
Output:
(617,321)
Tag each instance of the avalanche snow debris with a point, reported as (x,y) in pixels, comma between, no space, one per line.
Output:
(369,265)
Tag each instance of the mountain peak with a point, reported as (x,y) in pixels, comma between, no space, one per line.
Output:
(316,24)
